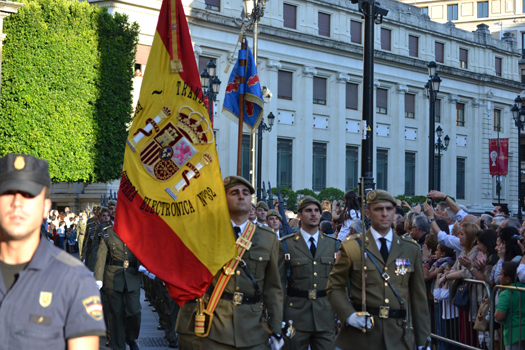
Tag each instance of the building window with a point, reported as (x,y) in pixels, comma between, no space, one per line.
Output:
(319,167)
(324,24)
(290,16)
(382,101)
(355,32)
(498,65)
(351,96)
(463,58)
(438,112)
(410,174)
(385,39)
(246,160)
(424,10)
(284,163)
(410,106)
(203,63)
(483,9)
(319,91)
(284,85)
(497,120)
(452,12)
(214,5)
(440,52)
(413,46)
(460,178)
(382,169)
(352,161)
(460,114)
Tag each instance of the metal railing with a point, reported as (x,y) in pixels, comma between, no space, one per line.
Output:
(520,309)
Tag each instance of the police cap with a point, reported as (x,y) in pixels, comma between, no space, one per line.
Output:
(306,201)
(24,172)
(231,181)
(380,196)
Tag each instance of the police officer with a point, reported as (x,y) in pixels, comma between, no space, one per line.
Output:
(237,319)
(306,259)
(48,299)
(393,271)
(122,283)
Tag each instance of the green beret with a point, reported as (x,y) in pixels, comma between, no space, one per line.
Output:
(112,202)
(231,181)
(306,201)
(274,212)
(261,204)
(380,196)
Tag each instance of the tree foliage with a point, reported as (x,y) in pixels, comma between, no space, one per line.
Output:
(305,192)
(331,194)
(67,87)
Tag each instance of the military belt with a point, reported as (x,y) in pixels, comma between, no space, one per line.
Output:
(237,298)
(383,311)
(125,263)
(310,294)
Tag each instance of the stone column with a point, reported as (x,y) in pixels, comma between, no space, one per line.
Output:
(337,146)
(302,167)
(269,161)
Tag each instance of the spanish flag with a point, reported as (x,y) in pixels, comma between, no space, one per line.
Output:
(172,210)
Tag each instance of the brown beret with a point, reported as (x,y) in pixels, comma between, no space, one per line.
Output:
(306,201)
(380,196)
(263,205)
(231,181)
(102,209)
(112,202)
(274,212)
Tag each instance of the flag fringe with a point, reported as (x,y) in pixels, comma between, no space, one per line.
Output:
(176,66)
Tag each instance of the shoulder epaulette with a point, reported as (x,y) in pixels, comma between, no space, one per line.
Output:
(286,237)
(327,236)
(410,240)
(352,237)
(266,228)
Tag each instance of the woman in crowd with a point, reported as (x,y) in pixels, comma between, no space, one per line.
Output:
(349,214)
(508,250)
(487,256)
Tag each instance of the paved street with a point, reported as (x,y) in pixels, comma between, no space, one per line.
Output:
(150,338)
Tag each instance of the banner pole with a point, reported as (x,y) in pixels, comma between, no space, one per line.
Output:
(242,63)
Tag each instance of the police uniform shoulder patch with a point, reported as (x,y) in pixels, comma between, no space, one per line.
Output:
(45,299)
(93,307)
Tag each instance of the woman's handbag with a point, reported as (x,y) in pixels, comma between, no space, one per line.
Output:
(462,298)
(481,323)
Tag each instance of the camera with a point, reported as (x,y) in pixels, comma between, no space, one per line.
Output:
(518,238)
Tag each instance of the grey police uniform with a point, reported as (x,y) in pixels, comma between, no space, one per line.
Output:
(54,299)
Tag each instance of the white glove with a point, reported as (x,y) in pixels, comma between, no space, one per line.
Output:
(151,276)
(276,344)
(422,347)
(142,269)
(359,321)
(99,284)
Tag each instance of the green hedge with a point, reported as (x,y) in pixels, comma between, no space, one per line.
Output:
(67,87)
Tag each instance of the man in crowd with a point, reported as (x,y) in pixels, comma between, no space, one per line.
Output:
(117,270)
(420,229)
(48,299)
(501,210)
(252,216)
(306,259)
(254,285)
(274,220)
(261,210)
(386,287)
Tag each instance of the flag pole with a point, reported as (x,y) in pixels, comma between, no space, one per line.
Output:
(242,63)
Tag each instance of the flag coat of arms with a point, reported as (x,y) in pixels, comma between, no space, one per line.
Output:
(172,210)
(250,89)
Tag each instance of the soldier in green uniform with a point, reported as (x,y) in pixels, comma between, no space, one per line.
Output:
(104,223)
(81,229)
(393,267)
(92,224)
(306,259)
(253,294)
(122,283)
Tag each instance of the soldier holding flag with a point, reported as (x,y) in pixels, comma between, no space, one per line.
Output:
(392,270)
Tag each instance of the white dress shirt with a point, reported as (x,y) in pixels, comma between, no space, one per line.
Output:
(389,237)
(307,236)
(242,227)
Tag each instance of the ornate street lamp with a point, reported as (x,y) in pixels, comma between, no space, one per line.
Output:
(210,86)
(440,147)
(262,128)
(432,89)
(518,113)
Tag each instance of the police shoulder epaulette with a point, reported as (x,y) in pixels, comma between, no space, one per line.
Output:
(286,237)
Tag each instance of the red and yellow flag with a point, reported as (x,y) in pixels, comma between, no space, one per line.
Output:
(172,209)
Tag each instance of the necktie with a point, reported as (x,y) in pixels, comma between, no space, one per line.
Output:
(384,249)
(237,231)
(313,248)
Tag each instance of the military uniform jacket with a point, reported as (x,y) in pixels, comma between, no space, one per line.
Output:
(97,238)
(387,333)
(90,227)
(117,278)
(240,325)
(306,274)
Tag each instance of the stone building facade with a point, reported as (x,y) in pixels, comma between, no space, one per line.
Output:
(313,67)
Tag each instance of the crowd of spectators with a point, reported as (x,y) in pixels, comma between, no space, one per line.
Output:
(60,228)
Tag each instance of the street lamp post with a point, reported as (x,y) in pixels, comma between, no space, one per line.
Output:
(262,128)
(432,89)
(440,147)
(210,85)
(518,113)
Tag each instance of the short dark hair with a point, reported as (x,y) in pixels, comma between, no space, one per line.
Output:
(449,252)
(488,238)
(509,268)
(326,227)
(504,209)
(443,226)
(400,211)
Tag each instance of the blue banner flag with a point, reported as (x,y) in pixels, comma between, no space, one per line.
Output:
(253,100)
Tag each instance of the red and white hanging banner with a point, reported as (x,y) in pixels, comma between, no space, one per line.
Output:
(499,156)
